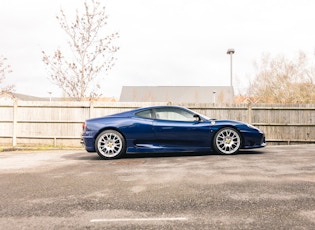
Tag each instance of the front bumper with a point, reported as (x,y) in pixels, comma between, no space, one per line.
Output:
(256,140)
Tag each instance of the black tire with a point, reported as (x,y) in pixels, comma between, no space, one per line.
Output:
(110,144)
(227,141)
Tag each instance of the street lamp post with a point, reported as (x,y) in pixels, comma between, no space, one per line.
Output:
(231,52)
(50,96)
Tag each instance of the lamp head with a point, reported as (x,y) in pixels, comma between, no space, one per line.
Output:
(230,51)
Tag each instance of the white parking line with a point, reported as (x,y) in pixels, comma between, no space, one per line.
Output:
(140,219)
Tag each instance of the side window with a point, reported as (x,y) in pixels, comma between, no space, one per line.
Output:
(173,114)
(145,114)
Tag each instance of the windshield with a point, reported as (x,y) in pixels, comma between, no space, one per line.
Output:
(201,115)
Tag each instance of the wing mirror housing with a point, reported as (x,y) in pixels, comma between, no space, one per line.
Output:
(197,118)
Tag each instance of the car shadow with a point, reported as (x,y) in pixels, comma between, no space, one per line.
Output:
(84,156)
(187,154)
(250,151)
(164,155)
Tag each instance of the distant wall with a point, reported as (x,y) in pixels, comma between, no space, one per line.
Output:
(177,94)
(24,123)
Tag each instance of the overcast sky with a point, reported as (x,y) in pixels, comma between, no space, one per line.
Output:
(162,42)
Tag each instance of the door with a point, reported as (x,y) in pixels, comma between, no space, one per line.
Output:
(176,127)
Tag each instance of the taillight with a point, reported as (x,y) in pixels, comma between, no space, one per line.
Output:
(83,126)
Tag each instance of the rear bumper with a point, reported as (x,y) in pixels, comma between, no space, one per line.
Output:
(88,143)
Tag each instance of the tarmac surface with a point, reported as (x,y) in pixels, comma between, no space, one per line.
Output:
(269,188)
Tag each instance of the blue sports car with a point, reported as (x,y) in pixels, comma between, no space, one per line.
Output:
(166,129)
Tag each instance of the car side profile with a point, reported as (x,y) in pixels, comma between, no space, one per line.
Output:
(166,129)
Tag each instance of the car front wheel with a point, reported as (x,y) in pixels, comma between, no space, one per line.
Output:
(227,141)
(110,144)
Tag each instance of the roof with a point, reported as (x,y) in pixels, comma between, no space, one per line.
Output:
(24,97)
(177,94)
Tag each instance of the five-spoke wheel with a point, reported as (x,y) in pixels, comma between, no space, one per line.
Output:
(227,141)
(110,144)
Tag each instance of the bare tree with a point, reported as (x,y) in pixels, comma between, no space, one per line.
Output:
(281,80)
(91,53)
(4,69)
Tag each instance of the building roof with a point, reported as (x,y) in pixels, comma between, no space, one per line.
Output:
(21,97)
(177,94)
(24,97)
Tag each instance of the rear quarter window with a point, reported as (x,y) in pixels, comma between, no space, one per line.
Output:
(145,114)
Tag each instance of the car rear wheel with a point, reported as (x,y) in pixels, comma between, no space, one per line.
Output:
(227,141)
(110,144)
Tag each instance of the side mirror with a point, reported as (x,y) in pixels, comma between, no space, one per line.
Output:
(197,118)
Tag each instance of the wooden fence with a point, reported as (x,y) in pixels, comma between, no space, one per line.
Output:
(24,123)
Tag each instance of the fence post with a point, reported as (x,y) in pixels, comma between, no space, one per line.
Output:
(91,112)
(14,131)
(249,113)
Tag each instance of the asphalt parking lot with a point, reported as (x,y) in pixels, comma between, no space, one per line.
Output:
(269,188)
